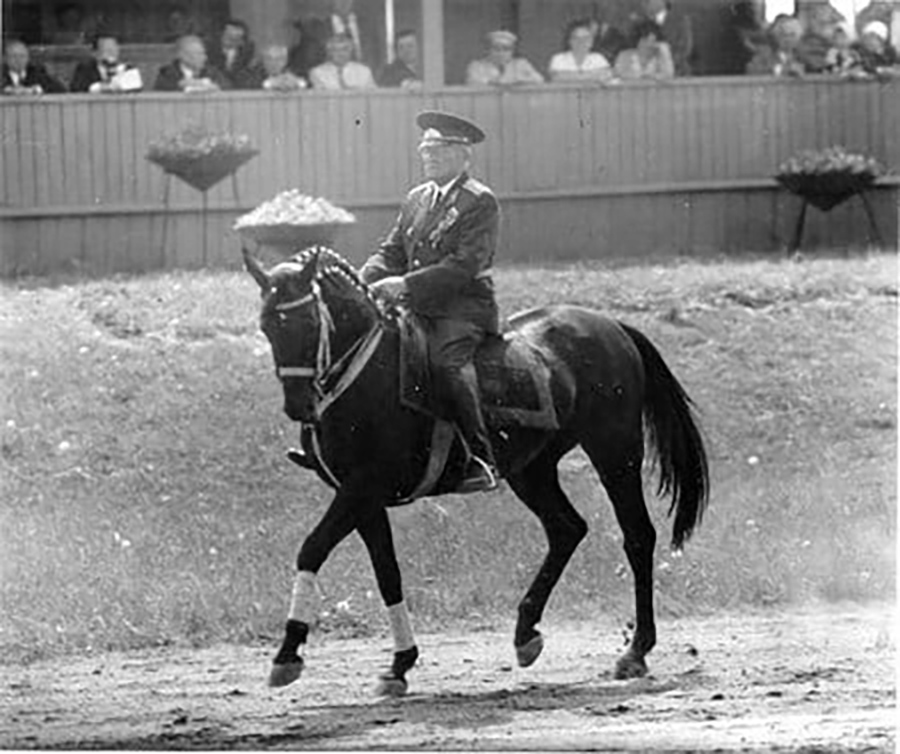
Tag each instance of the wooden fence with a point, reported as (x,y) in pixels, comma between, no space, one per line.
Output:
(680,168)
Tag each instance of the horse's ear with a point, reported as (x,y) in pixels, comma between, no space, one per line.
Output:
(255,269)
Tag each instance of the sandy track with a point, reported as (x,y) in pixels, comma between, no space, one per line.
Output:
(786,681)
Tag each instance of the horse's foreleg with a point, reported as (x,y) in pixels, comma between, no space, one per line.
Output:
(538,487)
(376,534)
(338,521)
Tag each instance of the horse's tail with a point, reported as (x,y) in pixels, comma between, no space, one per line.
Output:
(675,440)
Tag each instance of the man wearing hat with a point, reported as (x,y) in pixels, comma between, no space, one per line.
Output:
(437,259)
(500,67)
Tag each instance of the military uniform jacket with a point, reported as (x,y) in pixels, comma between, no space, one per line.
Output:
(444,251)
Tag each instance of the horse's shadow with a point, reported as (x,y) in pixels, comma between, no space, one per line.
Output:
(452,710)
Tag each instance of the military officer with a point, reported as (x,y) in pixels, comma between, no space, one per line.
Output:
(436,259)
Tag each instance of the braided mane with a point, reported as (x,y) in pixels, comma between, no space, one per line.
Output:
(332,266)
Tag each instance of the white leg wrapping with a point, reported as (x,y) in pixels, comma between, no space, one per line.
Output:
(305,599)
(400,627)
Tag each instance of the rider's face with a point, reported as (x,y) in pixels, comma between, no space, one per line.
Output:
(442,162)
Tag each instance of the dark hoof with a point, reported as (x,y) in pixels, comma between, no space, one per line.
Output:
(630,667)
(529,652)
(284,675)
(390,686)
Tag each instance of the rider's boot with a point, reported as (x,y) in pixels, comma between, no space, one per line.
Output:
(480,473)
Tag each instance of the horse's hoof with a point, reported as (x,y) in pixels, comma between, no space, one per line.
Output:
(390,686)
(530,651)
(286,674)
(630,667)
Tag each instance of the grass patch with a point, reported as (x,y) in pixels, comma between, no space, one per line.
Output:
(146,499)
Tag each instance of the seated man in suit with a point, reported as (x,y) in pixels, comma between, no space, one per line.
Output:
(21,76)
(272,72)
(190,71)
(340,71)
(105,72)
(405,70)
(233,56)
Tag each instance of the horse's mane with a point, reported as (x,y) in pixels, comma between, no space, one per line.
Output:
(331,266)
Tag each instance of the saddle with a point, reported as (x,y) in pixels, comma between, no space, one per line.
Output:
(514,387)
(513,379)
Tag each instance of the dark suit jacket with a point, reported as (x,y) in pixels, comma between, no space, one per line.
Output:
(86,74)
(238,75)
(444,251)
(678,31)
(35,75)
(394,74)
(170,76)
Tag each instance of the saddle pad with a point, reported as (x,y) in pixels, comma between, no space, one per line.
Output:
(513,379)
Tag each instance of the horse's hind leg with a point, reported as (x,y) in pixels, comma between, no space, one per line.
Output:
(376,534)
(538,487)
(622,481)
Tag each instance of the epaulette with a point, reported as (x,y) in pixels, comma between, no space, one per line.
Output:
(476,187)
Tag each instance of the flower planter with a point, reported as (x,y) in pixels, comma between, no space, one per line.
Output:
(287,238)
(202,171)
(826,190)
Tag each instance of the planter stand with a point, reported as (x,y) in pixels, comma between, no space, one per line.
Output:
(797,238)
(200,173)
(826,191)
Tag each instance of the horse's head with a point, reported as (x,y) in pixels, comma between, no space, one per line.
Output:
(315,313)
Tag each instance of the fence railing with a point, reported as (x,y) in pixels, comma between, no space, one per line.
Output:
(576,167)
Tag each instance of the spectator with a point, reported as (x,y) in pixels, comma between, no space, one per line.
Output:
(178,24)
(876,54)
(340,71)
(404,71)
(343,20)
(70,25)
(822,21)
(21,76)
(608,40)
(579,63)
(877,10)
(745,32)
(677,29)
(233,55)
(272,72)
(649,59)
(190,72)
(777,55)
(105,72)
(309,49)
(841,58)
(500,67)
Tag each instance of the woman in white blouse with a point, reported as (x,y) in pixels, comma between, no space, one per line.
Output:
(579,63)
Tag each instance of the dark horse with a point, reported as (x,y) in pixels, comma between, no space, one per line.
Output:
(337,354)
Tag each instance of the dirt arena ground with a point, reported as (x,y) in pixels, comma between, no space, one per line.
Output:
(800,680)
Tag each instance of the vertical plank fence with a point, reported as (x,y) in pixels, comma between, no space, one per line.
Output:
(680,168)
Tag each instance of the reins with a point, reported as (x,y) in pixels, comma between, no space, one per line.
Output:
(331,379)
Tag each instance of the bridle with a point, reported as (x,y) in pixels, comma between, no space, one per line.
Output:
(330,378)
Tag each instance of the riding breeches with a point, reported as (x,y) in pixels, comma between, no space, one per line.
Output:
(451,349)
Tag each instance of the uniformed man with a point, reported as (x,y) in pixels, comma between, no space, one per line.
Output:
(437,259)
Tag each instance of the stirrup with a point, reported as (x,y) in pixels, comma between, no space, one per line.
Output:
(484,480)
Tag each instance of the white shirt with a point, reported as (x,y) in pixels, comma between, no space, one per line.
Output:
(564,62)
(351,76)
(442,191)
